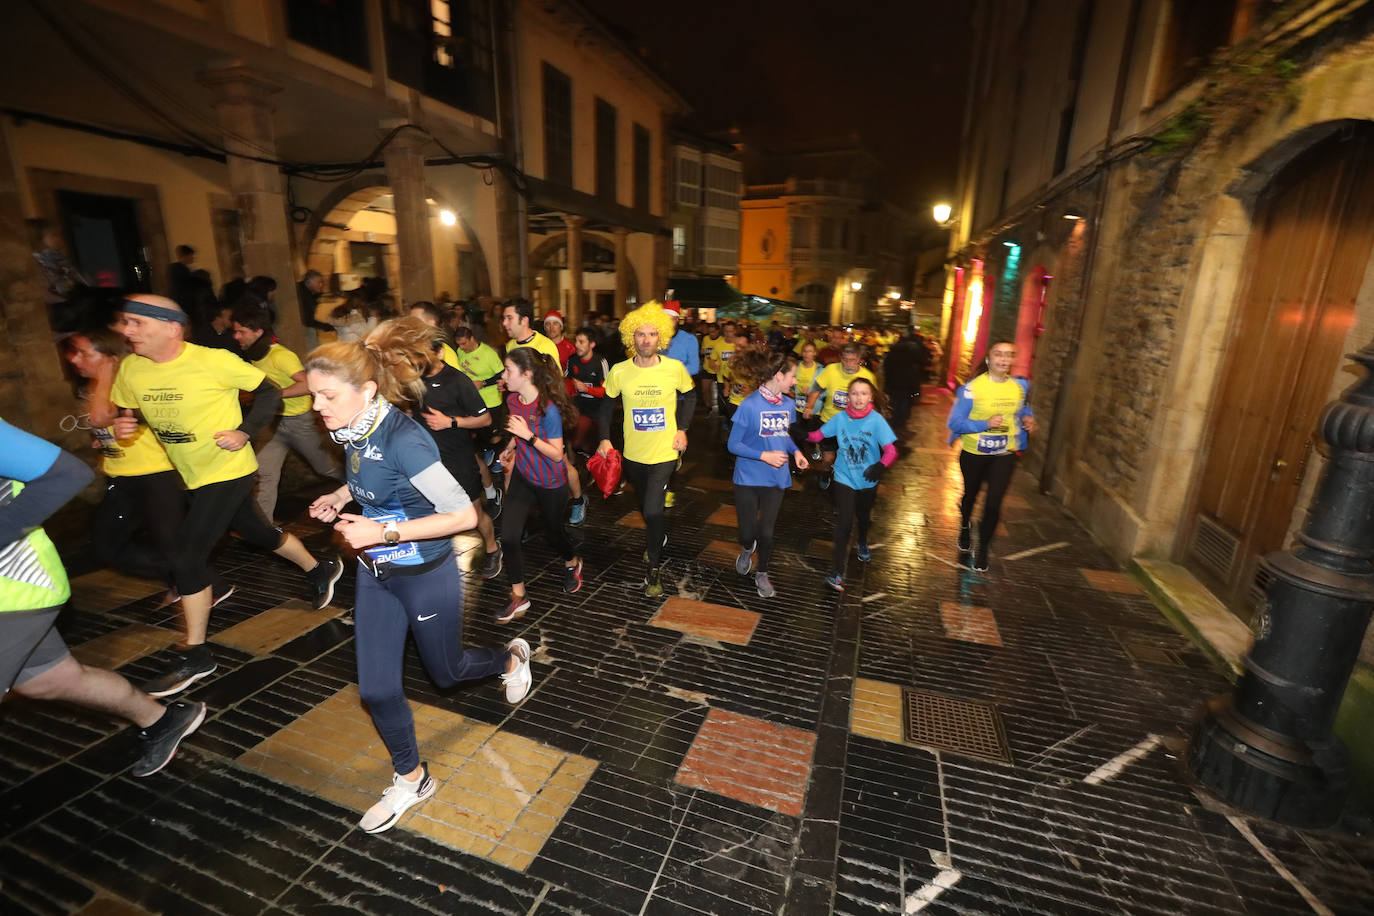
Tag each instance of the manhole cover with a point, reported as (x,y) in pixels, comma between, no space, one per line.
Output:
(959,726)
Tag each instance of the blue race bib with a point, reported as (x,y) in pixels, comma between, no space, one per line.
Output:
(649,419)
(772,423)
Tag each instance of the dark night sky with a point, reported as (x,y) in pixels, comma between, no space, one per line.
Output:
(892,71)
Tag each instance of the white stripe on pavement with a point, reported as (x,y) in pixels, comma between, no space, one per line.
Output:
(922,898)
(1034,550)
(1118,763)
(873,597)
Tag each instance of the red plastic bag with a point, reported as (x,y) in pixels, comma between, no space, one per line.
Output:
(605,470)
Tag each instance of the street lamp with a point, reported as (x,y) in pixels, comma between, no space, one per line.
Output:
(1268,748)
(855,285)
(448,217)
(941,212)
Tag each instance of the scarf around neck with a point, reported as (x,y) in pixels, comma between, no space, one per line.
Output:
(364,422)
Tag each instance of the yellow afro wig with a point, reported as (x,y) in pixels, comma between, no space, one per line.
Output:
(651,313)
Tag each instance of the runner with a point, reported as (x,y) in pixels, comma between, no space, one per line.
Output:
(481,363)
(539,410)
(517,315)
(189,396)
(760,438)
(36,479)
(452,410)
(553,329)
(435,317)
(407,580)
(296,429)
(586,375)
(721,355)
(806,374)
(659,398)
(865,450)
(832,385)
(987,408)
(710,342)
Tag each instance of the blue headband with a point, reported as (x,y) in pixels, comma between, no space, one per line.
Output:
(160,312)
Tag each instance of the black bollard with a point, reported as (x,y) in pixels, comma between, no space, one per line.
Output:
(1268,748)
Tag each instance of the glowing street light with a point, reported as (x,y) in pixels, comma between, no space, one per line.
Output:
(448,217)
(942,213)
(856,286)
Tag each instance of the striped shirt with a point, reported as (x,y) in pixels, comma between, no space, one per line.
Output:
(539,470)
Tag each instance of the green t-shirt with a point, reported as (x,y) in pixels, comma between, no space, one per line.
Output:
(480,365)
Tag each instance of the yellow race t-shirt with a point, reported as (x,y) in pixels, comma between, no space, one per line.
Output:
(449,357)
(723,352)
(542,344)
(650,398)
(736,391)
(989,399)
(835,382)
(136,456)
(279,365)
(805,377)
(186,401)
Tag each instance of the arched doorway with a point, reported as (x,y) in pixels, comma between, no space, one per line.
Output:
(549,264)
(355,227)
(1312,236)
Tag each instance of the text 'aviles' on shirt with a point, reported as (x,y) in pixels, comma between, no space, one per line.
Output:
(185,401)
(380,470)
(649,394)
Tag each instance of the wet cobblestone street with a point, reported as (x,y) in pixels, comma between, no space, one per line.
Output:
(713,752)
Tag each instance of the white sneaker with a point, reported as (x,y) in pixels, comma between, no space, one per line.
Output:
(397,800)
(518,681)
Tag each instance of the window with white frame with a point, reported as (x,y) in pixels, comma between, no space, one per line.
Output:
(679,246)
(722,187)
(688,182)
(721,248)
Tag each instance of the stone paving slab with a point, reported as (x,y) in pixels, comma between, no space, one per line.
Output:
(707,752)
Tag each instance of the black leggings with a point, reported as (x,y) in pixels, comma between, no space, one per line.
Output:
(651,483)
(757,508)
(215,508)
(849,503)
(155,501)
(520,498)
(995,471)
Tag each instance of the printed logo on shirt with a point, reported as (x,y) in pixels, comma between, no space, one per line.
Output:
(404,553)
(173,435)
(772,423)
(372,453)
(649,419)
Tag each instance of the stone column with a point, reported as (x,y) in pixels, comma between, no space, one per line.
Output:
(622,269)
(32,390)
(241,102)
(405,172)
(663,253)
(573,319)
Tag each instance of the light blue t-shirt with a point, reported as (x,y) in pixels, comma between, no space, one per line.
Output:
(861,443)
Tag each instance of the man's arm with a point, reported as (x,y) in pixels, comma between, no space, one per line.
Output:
(266,400)
(51,477)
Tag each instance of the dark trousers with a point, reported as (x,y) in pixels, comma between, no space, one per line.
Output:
(520,498)
(902,402)
(850,504)
(214,509)
(430,608)
(757,508)
(651,483)
(995,471)
(152,501)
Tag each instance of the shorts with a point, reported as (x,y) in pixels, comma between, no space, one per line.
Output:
(29,645)
(469,478)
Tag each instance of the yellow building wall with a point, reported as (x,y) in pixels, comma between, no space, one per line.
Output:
(185,185)
(763,245)
(592,76)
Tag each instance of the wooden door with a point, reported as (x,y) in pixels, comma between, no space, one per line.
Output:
(1305,263)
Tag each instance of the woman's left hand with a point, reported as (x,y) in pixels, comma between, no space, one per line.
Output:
(518,428)
(358,531)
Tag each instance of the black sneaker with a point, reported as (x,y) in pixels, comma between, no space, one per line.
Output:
(159,741)
(322,579)
(572,578)
(965,537)
(492,568)
(190,666)
(495,503)
(653,583)
(980,559)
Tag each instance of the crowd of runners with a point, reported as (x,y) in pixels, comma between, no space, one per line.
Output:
(429,430)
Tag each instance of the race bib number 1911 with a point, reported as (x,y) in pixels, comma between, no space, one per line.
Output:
(649,419)
(992,445)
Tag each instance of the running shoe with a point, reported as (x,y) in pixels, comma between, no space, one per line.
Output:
(494,504)
(492,567)
(745,561)
(653,583)
(980,559)
(835,581)
(517,607)
(189,667)
(864,553)
(172,596)
(966,537)
(579,512)
(664,544)
(518,682)
(397,800)
(668,499)
(572,578)
(322,579)
(158,742)
(765,588)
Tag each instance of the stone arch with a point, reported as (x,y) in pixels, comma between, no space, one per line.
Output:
(346,199)
(546,249)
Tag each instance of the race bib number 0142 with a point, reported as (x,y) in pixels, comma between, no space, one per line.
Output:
(649,419)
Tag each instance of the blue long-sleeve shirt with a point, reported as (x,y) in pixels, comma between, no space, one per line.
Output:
(685,348)
(759,427)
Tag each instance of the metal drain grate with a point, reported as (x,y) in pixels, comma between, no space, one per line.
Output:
(959,726)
